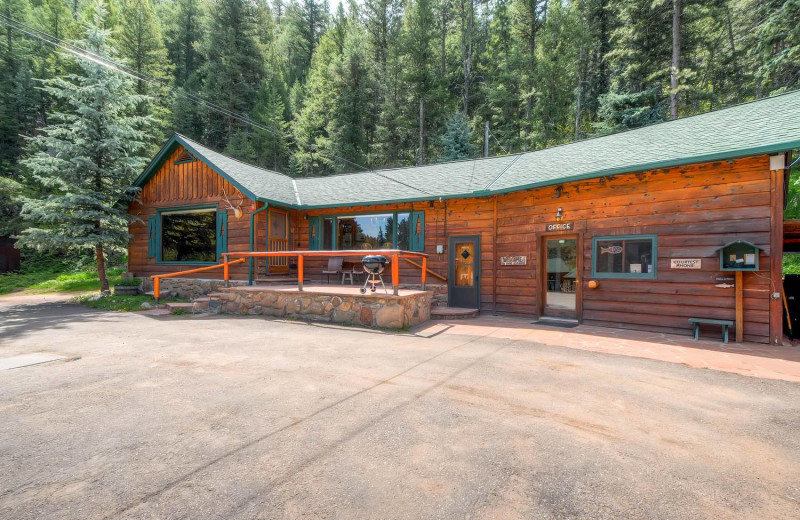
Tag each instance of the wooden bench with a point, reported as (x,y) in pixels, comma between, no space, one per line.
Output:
(724,323)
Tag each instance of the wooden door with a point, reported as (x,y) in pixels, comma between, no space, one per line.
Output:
(464,282)
(561,276)
(278,239)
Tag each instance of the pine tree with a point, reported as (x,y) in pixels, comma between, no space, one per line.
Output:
(141,44)
(183,36)
(456,140)
(640,64)
(302,27)
(87,158)
(556,69)
(420,66)
(234,69)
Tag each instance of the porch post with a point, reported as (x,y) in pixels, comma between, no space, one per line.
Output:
(424,270)
(252,238)
(396,274)
(299,272)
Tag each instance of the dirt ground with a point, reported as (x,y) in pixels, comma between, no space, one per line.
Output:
(240,418)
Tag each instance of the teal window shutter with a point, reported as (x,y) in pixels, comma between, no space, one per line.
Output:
(417,231)
(314,233)
(222,232)
(152,236)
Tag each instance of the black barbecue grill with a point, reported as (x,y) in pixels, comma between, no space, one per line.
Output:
(374,265)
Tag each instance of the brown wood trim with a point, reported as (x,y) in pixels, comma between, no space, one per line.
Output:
(495,256)
(776,257)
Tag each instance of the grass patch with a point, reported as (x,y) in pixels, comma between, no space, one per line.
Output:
(53,278)
(123,303)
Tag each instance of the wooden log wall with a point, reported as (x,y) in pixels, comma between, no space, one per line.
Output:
(188,184)
(693,210)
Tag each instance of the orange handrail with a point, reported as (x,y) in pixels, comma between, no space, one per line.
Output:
(424,263)
(225,265)
(395,254)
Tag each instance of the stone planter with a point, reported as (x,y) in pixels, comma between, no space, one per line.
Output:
(127,290)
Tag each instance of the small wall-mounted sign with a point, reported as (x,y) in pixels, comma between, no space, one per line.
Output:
(560,226)
(513,260)
(685,263)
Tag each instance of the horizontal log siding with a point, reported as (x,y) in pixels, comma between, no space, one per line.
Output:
(693,210)
(187,184)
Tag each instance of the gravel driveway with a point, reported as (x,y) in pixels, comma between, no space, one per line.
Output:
(240,418)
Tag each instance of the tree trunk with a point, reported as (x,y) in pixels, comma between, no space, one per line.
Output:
(443,42)
(421,156)
(578,93)
(676,59)
(468,57)
(101,268)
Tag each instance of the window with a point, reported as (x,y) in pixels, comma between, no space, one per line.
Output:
(624,257)
(371,231)
(189,235)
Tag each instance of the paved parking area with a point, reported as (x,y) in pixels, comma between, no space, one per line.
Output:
(241,418)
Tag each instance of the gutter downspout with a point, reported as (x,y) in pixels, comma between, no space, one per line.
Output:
(252,238)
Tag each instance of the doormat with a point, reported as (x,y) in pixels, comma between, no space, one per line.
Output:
(554,323)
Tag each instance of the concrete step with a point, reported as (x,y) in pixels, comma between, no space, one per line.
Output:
(453,313)
(183,306)
(164,294)
(202,302)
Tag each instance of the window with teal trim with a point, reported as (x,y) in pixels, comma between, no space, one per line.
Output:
(372,231)
(630,256)
(189,236)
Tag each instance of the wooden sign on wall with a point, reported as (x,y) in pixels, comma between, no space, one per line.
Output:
(513,260)
(685,263)
(560,226)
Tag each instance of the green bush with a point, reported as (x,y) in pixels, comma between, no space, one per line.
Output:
(791,264)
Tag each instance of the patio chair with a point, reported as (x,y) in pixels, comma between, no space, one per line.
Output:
(334,267)
(353,274)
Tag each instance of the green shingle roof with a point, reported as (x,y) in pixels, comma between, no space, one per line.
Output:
(766,126)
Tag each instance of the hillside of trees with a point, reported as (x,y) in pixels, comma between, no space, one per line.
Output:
(381,83)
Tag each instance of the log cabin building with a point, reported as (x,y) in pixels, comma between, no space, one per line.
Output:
(616,231)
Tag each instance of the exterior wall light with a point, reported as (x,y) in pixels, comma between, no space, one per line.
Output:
(593,284)
(559,215)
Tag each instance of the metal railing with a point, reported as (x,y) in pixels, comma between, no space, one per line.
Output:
(394,254)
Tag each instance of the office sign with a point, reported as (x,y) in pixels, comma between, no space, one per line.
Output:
(560,226)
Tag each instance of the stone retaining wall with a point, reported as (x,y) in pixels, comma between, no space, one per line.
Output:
(439,292)
(390,312)
(188,287)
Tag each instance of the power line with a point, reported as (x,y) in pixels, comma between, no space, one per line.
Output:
(118,67)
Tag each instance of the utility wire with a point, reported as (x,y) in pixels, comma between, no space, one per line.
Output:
(118,67)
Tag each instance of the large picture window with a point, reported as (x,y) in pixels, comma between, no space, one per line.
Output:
(189,236)
(369,231)
(624,257)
